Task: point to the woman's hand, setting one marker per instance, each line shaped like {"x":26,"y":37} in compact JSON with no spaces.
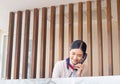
{"x":79,"y":68}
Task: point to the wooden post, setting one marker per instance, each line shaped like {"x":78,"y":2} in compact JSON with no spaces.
{"x":34,"y":43}
{"x":43,"y":43}
{"x":89,"y":36}
{"x":18,"y":45}
{"x":26,"y":44}
{"x":10,"y":45}
{"x":61,"y":33}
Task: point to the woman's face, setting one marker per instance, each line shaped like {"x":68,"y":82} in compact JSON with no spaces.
{"x":76,"y":56}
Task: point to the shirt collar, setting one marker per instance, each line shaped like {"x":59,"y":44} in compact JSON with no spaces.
{"x":68,"y":64}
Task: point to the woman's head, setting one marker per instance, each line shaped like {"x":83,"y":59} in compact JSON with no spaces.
{"x":79,"y":44}
{"x":77,"y":50}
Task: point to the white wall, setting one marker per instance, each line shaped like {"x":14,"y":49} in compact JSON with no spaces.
{"x":2,"y":33}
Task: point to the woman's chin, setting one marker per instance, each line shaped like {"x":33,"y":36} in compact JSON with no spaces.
{"x":74,"y":63}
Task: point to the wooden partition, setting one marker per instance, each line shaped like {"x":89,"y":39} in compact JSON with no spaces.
{"x":109,"y":29}
{"x":52,"y":40}
{"x":10,"y":45}
{"x":100,"y":54}
{"x":18,"y":45}
{"x":61,"y":33}
{"x":80,"y":20}
{"x":26,"y":44}
{"x":35,"y":43}
{"x":118,"y":13}
{"x":89,"y":36}
{"x":43,"y":42}
{"x":70,"y":24}
{"x":99,"y":26}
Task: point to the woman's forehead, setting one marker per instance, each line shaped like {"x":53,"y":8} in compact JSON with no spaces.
{"x":77,"y":51}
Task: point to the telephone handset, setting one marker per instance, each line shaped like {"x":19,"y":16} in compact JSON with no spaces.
{"x":83,"y":58}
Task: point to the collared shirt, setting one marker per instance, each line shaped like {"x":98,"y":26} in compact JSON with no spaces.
{"x":61,"y":71}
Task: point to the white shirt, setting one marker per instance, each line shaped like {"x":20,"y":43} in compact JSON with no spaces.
{"x":60,"y":70}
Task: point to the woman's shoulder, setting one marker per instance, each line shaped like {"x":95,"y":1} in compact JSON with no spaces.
{"x":60,"y":62}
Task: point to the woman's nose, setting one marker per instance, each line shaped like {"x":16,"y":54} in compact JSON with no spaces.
{"x":75,"y":57}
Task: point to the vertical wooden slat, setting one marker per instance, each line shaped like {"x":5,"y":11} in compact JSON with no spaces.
{"x":26,"y":44}
{"x":70,"y":25}
{"x":18,"y":45}
{"x":109,"y":31}
{"x":10,"y":45}
{"x":89,"y":36}
{"x":100,"y":46}
{"x":80,"y":20}
{"x":118,"y":15}
{"x":52,"y":39}
{"x":34,"y":43}
{"x":43,"y":43}
{"x":61,"y":33}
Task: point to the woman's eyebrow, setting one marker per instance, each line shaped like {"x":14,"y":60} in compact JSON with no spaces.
{"x":79,"y":54}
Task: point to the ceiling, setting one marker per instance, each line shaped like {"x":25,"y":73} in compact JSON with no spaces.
{"x":7,"y":6}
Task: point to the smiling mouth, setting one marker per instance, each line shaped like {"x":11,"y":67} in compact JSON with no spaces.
{"x":74,"y":62}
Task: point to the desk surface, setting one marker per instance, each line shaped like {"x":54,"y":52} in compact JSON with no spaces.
{"x":81,"y":80}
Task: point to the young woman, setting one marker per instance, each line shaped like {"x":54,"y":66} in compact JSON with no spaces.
{"x":74,"y":65}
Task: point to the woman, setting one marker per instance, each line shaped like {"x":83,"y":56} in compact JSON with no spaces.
{"x":73,"y":66}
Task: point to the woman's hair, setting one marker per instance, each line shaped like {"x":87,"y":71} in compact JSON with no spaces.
{"x":79,"y":44}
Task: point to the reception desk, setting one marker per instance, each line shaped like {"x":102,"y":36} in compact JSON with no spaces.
{"x":82,"y":80}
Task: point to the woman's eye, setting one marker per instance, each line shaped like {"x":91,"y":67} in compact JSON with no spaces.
{"x":79,"y":55}
{"x":73,"y":53}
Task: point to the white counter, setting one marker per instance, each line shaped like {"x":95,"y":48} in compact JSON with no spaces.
{"x":81,"y":80}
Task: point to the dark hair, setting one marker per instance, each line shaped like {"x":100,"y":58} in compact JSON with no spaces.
{"x":79,"y":44}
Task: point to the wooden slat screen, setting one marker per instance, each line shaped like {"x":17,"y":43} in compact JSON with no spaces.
{"x":18,"y":45}
{"x":70,"y":24}
{"x":89,"y":36}
{"x":61,"y":33}
{"x":89,"y":22}
{"x":109,"y":31}
{"x":34,"y":45}
{"x":80,"y":20}
{"x":43,"y":42}
{"x":26,"y":44}
{"x":10,"y":45}
{"x":118,"y":13}
{"x":100,"y":46}
{"x":52,"y":40}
